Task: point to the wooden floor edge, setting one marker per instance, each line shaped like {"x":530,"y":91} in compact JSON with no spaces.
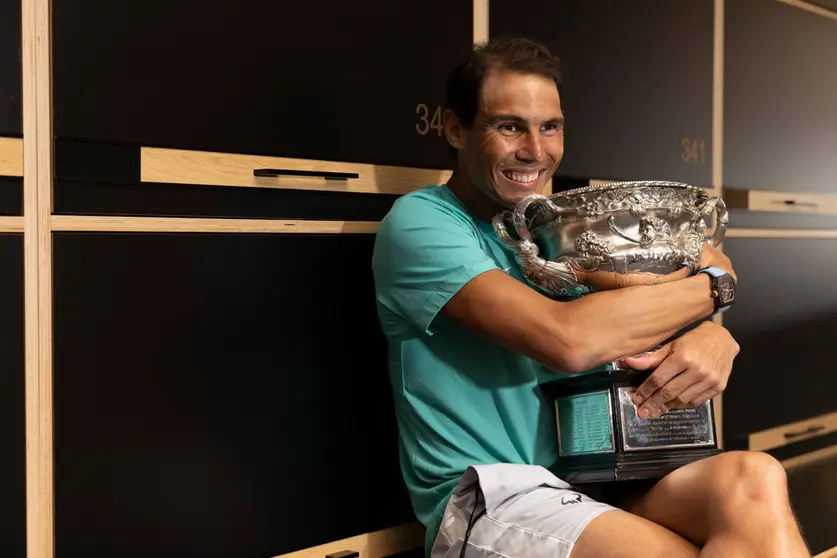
{"x":92,"y":223}
{"x":11,"y":224}
{"x":377,"y":544}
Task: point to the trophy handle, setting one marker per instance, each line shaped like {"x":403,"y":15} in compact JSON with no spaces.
{"x":557,"y":278}
{"x":519,"y":215}
{"x":720,"y":208}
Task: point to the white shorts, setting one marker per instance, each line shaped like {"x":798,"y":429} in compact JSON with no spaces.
{"x":513,"y":511}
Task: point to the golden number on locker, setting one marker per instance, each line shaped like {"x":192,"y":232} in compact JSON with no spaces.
{"x":427,"y":122}
{"x":694,"y":151}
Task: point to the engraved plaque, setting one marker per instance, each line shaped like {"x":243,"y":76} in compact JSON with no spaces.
{"x":585,"y":424}
{"x":681,"y":428}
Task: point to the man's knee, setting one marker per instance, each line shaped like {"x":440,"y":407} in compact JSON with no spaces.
{"x":749,"y":478}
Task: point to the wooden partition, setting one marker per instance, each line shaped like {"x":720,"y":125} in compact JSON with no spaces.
{"x":188,"y":204}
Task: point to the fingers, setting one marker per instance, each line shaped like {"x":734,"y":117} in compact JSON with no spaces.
{"x":701,"y":393}
{"x":664,"y":373}
{"x":666,"y":398}
{"x":685,"y":391}
{"x":647,"y":361}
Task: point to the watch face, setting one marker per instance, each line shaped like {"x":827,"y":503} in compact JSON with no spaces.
{"x":726,"y":290}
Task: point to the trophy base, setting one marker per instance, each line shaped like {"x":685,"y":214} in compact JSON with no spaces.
{"x":601,"y":439}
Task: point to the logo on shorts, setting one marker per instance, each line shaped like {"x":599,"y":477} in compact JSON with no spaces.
{"x":574,"y":499}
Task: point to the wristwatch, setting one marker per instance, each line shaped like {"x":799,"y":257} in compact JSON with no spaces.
{"x":723,"y":287}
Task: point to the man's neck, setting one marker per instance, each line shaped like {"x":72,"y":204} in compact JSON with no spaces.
{"x":480,"y":205}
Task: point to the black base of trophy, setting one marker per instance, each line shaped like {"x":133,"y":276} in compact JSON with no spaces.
{"x":601,"y":439}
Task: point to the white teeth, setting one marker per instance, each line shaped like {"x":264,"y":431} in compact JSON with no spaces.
{"x":524,"y":177}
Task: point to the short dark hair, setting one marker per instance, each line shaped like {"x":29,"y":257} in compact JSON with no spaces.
{"x":516,"y":54}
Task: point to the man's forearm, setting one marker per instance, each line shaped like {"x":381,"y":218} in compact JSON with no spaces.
{"x":605,"y":326}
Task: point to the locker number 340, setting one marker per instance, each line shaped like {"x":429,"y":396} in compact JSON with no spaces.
{"x":428,"y":120}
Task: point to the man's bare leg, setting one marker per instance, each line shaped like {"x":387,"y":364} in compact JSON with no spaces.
{"x":619,"y":534}
{"x":734,"y":504}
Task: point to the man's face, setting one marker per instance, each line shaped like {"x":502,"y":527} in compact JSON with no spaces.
{"x":517,"y":140}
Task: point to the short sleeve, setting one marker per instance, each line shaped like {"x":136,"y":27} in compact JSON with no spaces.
{"x":425,"y":251}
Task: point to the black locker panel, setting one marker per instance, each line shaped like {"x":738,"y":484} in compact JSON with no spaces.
{"x":11,"y":195}
{"x":784,"y":320}
{"x":12,"y":400}
{"x":177,"y":200}
{"x":780,"y":99}
{"x":11,"y":107}
{"x":638,"y":97}
{"x":219,"y":395}
{"x":343,"y":81}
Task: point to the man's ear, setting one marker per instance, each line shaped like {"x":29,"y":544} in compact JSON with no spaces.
{"x":454,"y":130}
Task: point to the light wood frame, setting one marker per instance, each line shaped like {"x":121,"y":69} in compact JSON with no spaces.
{"x":812,"y":8}
{"x":772,"y":438}
{"x":783,"y":202}
{"x":180,"y":166}
{"x":36,"y":49}
{"x":11,"y":157}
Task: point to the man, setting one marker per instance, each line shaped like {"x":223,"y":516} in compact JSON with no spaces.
{"x":470,"y":342}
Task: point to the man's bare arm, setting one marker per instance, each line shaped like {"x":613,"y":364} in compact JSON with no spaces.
{"x":579,"y":335}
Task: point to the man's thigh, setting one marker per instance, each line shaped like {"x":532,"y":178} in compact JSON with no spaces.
{"x":620,"y":534}
{"x":517,"y":511}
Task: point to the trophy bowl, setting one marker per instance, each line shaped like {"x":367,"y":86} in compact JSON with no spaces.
{"x":623,"y":227}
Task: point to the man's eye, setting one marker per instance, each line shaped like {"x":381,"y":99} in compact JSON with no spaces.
{"x":509,"y":128}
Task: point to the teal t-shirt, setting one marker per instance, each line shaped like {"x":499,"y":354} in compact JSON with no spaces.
{"x":460,"y":400}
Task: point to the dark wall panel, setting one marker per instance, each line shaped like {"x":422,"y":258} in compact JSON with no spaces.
{"x":12,"y":401}
{"x":11,"y":115}
{"x":322,"y":80}
{"x":219,"y":395}
{"x":784,"y":320}
{"x":638,"y":98}
{"x":173,"y":200}
{"x":11,"y":195}
{"x":780,"y":103}
{"x":812,"y":490}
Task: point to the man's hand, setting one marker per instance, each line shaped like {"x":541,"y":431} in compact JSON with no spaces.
{"x":713,"y":257}
{"x":689,"y":370}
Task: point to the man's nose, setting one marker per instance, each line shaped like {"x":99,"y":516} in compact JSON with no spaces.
{"x":531,"y":149}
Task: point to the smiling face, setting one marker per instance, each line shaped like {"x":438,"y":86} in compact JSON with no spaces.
{"x":517,"y":138}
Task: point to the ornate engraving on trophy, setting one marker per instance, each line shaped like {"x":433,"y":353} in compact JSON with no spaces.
{"x":681,"y":428}
{"x":585,"y":424}
{"x":647,"y":226}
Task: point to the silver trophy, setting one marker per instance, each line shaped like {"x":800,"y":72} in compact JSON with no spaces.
{"x":623,"y":227}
